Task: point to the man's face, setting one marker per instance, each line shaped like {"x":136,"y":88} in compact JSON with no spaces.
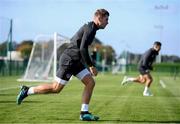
{"x":103,"y":21}
{"x":157,"y":48}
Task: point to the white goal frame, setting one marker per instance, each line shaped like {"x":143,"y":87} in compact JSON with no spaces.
{"x":52,"y":60}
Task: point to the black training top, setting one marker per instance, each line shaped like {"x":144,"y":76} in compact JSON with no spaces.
{"x":147,"y":59}
{"x":78,"y":48}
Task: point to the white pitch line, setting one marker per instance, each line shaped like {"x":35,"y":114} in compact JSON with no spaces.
{"x":162,"y":84}
{"x":8,"y":88}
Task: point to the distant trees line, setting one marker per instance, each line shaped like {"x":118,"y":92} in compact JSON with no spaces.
{"x":24,"y":47}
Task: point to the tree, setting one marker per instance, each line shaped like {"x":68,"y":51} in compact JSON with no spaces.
{"x":25,"y":48}
{"x":7,"y":46}
{"x":105,"y":51}
{"x":3,"y":49}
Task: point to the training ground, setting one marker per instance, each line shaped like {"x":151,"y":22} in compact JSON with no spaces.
{"x":111,"y":101}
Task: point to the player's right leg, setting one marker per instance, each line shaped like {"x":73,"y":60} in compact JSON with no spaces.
{"x":25,"y":91}
{"x":22,"y":94}
{"x":127,"y":80}
{"x":139,"y":79}
{"x":124,"y":81}
{"x":63,"y":76}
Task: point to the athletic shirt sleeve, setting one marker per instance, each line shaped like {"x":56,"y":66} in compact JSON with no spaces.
{"x":149,"y":58}
{"x":146,"y":59}
{"x":87,"y":38}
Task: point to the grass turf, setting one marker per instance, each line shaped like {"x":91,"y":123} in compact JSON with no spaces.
{"x":111,"y":101}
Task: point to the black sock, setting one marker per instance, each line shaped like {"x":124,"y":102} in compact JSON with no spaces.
{"x":84,"y":112}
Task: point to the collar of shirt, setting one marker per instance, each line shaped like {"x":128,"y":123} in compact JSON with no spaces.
{"x":94,"y":26}
{"x":155,"y":52}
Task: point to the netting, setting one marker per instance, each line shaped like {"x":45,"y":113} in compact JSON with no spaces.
{"x":43,"y":61}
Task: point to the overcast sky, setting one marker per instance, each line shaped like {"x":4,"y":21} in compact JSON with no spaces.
{"x":133,"y":24}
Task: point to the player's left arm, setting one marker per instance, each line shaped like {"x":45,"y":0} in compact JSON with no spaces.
{"x":84,"y":48}
{"x":146,"y":59}
{"x":85,"y":53}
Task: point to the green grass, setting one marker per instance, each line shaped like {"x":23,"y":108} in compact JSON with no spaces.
{"x":111,"y":101}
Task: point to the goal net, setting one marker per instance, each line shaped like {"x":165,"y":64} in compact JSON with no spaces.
{"x":43,"y":61}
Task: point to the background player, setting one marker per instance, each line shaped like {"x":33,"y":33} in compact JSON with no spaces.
{"x":145,"y":65}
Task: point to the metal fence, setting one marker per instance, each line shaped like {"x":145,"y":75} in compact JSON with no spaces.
{"x":8,"y":68}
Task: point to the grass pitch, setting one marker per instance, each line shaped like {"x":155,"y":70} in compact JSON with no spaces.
{"x":111,"y":101}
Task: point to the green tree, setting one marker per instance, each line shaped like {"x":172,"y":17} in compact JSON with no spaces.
{"x":3,"y":49}
{"x":25,"y":48}
{"x":105,"y":51}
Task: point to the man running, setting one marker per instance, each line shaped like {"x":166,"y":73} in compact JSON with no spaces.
{"x":75,"y":60}
{"x":145,"y":65}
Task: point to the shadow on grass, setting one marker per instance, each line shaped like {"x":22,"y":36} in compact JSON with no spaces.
{"x":8,"y":94}
{"x":13,"y":101}
{"x":68,"y":120}
{"x":138,"y":121}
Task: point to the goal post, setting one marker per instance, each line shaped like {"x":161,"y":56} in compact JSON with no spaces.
{"x":42,"y":64}
{"x":6,"y":47}
{"x":55,"y":55}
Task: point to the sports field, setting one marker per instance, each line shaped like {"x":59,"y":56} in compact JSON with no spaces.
{"x":111,"y":101}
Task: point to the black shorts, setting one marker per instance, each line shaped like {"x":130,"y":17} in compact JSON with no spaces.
{"x":69,"y":67}
{"x":143,"y":71}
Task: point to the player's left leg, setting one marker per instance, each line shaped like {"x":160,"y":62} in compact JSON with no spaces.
{"x":148,"y":83}
{"x":89,"y":83}
{"x":83,"y":74}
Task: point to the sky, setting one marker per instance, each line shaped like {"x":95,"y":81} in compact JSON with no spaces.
{"x":133,"y":24}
